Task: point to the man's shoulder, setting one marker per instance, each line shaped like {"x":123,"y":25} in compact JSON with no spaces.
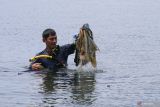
{"x":44,"y":52}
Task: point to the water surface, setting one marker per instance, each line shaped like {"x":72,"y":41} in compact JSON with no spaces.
{"x":126,"y":31}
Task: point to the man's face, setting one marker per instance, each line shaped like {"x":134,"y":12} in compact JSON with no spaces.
{"x":51,"y":41}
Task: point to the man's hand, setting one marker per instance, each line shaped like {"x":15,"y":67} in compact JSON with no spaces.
{"x":37,"y":66}
{"x":75,"y":37}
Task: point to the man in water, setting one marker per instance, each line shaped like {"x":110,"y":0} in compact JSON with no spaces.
{"x":59,"y":53}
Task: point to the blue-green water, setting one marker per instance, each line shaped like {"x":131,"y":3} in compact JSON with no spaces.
{"x":126,"y":31}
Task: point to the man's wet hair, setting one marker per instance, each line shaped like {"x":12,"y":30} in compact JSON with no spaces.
{"x":48,"y":32}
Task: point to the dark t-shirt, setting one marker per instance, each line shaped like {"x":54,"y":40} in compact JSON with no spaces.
{"x":60,"y":57}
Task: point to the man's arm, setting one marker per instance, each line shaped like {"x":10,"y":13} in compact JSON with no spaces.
{"x":70,"y":48}
{"x":36,"y":65}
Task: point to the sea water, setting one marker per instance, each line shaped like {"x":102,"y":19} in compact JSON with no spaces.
{"x":128,"y":64}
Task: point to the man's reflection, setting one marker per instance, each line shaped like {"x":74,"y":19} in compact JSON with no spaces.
{"x":48,"y":82}
{"x":53,"y":81}
{"x":69,"y":88}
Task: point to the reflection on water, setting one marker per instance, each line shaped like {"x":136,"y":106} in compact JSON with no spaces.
{"x":56,"y":86}
{"x":53,"y":81}
{"x":83,"y":87}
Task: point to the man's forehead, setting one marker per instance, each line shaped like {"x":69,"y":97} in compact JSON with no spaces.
{"x":52,"y":36}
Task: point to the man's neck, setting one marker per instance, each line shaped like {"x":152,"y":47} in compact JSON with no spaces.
{"x":49,"y":50}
